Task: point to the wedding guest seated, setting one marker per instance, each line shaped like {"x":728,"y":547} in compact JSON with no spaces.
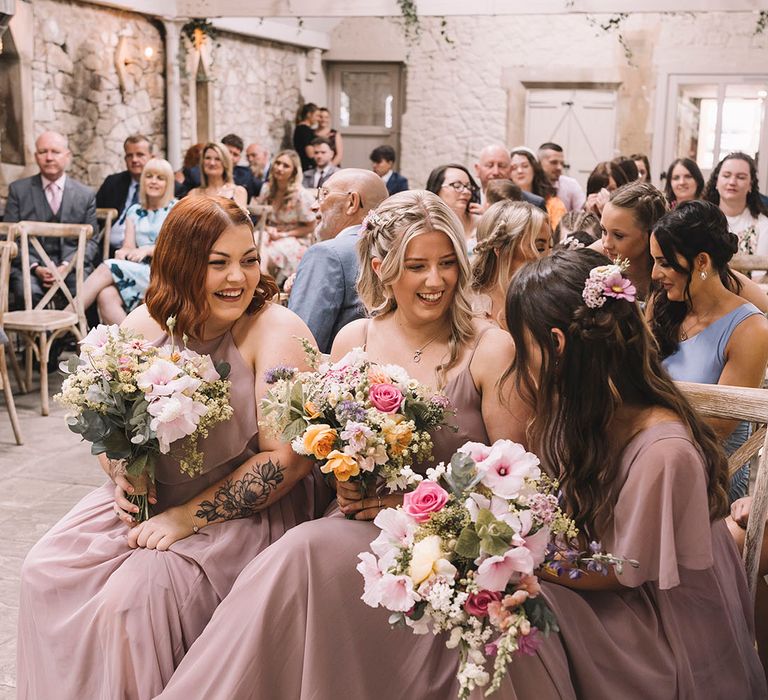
{"x":528,"y":175}
{"x":573,"y":221}
{"x":259,"y":162}
{"x":706,"y":332}
{"x":121,"y":190}
{"x":455,"y":186}
{"x":118,"y":285}
{"x":501,"y":190}
{"x":734,"y":188}
{"x":323,"y":168}
{"x":643,"y":166}
{"x":325,"y":130}
{"x":494,"y":163}
{"x":241,"y":174}
{"x":644,"y":477}
{"x":509,"y":235}
{"x":324,"y":294}
{"x":568,"y":189}
{"x":684,"y":182}
{"x":51,"y":196}
{"x":216,"y":178}
{"x":414,"y":247}
{"x":191,"y":162}
{"x":112,"y":606}
{"x":291,"y":222}
{"x":382,"y":163}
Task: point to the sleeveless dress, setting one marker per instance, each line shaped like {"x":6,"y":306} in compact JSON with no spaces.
{"x":101,"y":621}
{"x":682,"y":626}
{"x":702,"y":359}
{"x":294,"y":627}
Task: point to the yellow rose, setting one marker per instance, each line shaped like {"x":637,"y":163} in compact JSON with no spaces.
{"x":311,"y":410}
{"x":319,"y":439}
{"x":343,"y":466}
{"x":398,"y":436}
{"x":428,"y":560}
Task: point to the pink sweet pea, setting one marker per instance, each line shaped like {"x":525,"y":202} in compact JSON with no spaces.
{"x":160,"y":372}
{"x":619,"y":287}
{"x":175,"y":417}
{"x":397,"y":593}
{"x":97,"y":338}
{"x":506,"y":468}
{"x":387,"y":398}
{"x":427,"y":498}
{"x":495,"y":572}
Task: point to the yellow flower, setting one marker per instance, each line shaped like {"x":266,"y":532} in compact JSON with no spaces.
{"x":343,"y":466}
{"x":398,"y":435}
{"x":319,"y":439}
{"x":429,"y":560}
{"x":311,"y":410}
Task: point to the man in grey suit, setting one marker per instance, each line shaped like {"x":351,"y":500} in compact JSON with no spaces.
{"x":324,"y":293}
{"x":324,"y":168}
{"x":51,"y":196}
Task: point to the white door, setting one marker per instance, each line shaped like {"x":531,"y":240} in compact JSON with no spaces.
{"x":582,"y":121}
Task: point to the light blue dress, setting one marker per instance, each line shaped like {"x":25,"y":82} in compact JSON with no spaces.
{"x":701,"y":359}
{"x":132,"y":278}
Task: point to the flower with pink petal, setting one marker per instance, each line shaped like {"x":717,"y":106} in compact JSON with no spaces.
{"x":397,"y":592}
{"x":476,"y":450}
{"x":507,"y":467}
{"x":175,"y":417}
{"x":427,"y":498}
{"x":159,"y":374}
{"x":397,"y":528}
{"x":494,"y":573}
{"x":96,"y":340}
{"x":619,"y":287}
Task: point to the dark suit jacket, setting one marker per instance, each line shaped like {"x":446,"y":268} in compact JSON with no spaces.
{"x":241,"y":175}
{"x":397,"y":183}
{"x":535,"y":200}
{"x":308,"y":180}
{"x":114,"y":191}
{"x":27,"y":202}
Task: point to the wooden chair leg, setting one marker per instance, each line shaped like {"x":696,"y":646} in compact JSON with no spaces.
{"x":17,"y":370}
{"x":44,"y":348}
{"x":9,"y":398}
{"x":28,"y":352}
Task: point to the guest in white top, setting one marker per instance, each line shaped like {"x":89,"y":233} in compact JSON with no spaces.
{"x":568,"y":189}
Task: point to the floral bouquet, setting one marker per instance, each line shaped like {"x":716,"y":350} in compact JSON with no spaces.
{"x":462,"y":559}
{"x":361,"y":421}
{"x":133,"y":401}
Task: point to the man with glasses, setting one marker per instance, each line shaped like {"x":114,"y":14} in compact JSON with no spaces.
{"x":324,"y":293}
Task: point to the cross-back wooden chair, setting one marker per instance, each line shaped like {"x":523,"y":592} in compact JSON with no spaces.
{"x":740,"y":403}
{"x":261,"y":212}
{"x":36,"y":322}
{"x":108,"y":217}
{"x":8,"y":233}
{"x":748,"y":263}
{"x":7,"y":252}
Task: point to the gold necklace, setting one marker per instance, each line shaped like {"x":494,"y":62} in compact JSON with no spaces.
{"x":417,"y":354}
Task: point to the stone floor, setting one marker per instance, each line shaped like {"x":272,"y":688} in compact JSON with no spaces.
{"x":39,"y":482}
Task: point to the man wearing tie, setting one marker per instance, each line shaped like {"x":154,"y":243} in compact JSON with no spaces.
{"x":51,"y":196}
{"x":324,"y":168}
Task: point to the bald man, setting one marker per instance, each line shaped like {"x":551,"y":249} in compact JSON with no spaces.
{"x":52,"y":196}
{"x":495,"y":163}
{"x":324,"y":293}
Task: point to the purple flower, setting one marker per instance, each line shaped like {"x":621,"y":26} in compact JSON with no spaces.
{"x":529,"y":643}
{"x":271,"y":376}
{"x":350,"y":411}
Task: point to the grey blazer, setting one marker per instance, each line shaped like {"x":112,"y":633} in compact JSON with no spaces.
{"x":324,"y":293}
{"x":27,"y":202}
{"x":308,"y":180}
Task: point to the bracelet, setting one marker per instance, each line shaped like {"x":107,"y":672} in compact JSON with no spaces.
{"x":195,"y":528}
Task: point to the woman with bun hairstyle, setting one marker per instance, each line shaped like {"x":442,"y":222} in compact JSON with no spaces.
{"x":706,"y":332}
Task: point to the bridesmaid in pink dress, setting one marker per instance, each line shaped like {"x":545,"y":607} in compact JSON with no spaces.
{"x":642,"y":474}
{"x":108,"y":608}
{"x":294,"y":626}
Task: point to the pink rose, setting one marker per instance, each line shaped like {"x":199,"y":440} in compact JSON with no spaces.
{"x":385,"y":397}
{"x":477,"y":603}
{"x":426,"y":499}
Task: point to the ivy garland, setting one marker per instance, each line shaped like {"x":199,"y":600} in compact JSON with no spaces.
{"x":198,"y":30}
{"x":613,"y":25}
{"x":762,"y":22}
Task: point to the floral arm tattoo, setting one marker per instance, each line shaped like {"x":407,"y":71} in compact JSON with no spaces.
{"x":244,"y":497}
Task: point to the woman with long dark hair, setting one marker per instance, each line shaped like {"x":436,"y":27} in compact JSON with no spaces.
{"x":641,"y":474}
{"x":108,"y":607}
{"x":304,"y":133}
{"x":684,"y":181}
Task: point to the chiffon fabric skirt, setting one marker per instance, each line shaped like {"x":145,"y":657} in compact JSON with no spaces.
{"x":101,"y":621}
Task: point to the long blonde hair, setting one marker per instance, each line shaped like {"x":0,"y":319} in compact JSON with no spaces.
{"x":506,"y":228}
{"x":293,"y":185}
{"x":386,"y":235}
{"x":226,"y":161}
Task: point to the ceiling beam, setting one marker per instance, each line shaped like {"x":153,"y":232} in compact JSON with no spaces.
{"x":445,"y":8}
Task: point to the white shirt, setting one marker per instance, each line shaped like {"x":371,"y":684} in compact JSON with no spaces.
{"x":752,"y":232}
{"x":570,"y":193}
{"x":386,"y":177}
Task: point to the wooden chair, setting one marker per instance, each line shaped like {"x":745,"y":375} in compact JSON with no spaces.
{"x":739,"y":403}
{"x":261,"y":212}
{"x":8,"y":232}
{"x":35,"y":323}
{"x":108,"y":216}
{"x":748,"y":263}
{"x":7,"y":252}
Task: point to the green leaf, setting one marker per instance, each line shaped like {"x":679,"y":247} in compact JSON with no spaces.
{"x":468,"y":543}
{"x":72,"y":364}
{"x":463,"y":476}
{"x":137,"y":465}
{"x":540,"y":615}
{"x":118,"y":446}
{"x":297,"y":395}
{"x":495,"y":535}
{"x":294,"y":429}
{"x":223,"y":368}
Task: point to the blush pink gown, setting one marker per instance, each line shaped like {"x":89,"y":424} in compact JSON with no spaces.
{"x":101,"y":621}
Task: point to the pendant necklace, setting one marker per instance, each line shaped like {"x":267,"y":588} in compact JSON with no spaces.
{"x":417,"y":355}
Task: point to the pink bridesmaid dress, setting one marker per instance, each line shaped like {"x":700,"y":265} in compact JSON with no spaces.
{"x":101,"y":621}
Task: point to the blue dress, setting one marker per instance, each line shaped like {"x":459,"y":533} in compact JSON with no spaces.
{"x":701,"y":359}
{"x":132,"y":278}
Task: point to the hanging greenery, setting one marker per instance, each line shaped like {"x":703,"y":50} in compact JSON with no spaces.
{"x":762,"y":22}
{"x":411,"y":22}
{"x":613,"y":26}
{"x":198,"y":30}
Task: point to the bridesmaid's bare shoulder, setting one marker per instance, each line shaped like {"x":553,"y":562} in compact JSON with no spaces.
{"x":139,"y":321}
{"x":351,"y":336}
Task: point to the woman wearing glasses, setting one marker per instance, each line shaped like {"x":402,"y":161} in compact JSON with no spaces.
{"x":455,"y":186}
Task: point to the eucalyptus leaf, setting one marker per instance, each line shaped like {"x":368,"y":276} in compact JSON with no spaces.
{"x":495,"y":535}
{"x":223,"y":368}
{"x":468,"y":543}
{"x":72,"y":364}
{"x":294,"y":429}
{"x":464,"y":475}
{"x":138,"y":464}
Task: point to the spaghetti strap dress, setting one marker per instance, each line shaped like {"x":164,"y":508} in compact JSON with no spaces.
{"x":102,"y":621}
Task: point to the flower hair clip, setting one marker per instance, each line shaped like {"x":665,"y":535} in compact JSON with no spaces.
{"x":608,"y":281}
{"x":572,"y":243}
{"x":372,"y":220}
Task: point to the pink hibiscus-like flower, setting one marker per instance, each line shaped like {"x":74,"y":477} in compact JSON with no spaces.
{"x":477,"y":603}
{"x":397,"y":592}
{"x":175,"y":417}
{"x":499,"y":508}
{"x":397,"y":528}
{"x":476,"y":450}
{"x":203,"y":365}
{"x":427,"y":498}
{"x":507,"y":467}
{"x":619,"y":287}
{"x":387,"y":398}
{"x":497,"y":571}
{"x":369,"y":568}
{"x":160,"y":372}
{"x":94,"y":343}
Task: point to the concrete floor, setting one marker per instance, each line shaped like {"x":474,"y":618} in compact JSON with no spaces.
{"x":39,"y":482}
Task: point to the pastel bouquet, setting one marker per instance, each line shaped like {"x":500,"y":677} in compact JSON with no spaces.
{"x":133,"y":401}
{"x":461,"y":558}
{"x":361,"y":421}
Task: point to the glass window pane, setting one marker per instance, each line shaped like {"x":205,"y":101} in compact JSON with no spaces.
{"x":743,"y":114}
{"x":696,"y":119}
{"x":366,"y":98}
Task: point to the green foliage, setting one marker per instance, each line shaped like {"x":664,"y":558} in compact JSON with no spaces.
{"x":762,"y":22}
{"x":463,"y":476}
{"x":540,"y":615}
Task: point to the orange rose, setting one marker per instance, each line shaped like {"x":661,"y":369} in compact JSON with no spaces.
{"x":319,"y":439}
{"x":398,"y":436}
{"x":377,"y":376}
{"x":343,"y":466}
{"x":311,"y":410}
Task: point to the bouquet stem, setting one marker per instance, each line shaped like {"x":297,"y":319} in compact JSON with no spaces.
{"x":140,"y":495}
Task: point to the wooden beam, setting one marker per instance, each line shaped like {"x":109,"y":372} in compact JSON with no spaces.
{"x":446,"y":8}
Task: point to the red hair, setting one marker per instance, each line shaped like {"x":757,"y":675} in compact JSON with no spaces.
{"x":180,"y":263}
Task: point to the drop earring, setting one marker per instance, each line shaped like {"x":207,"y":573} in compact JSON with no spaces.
{"x":703,"y":275}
